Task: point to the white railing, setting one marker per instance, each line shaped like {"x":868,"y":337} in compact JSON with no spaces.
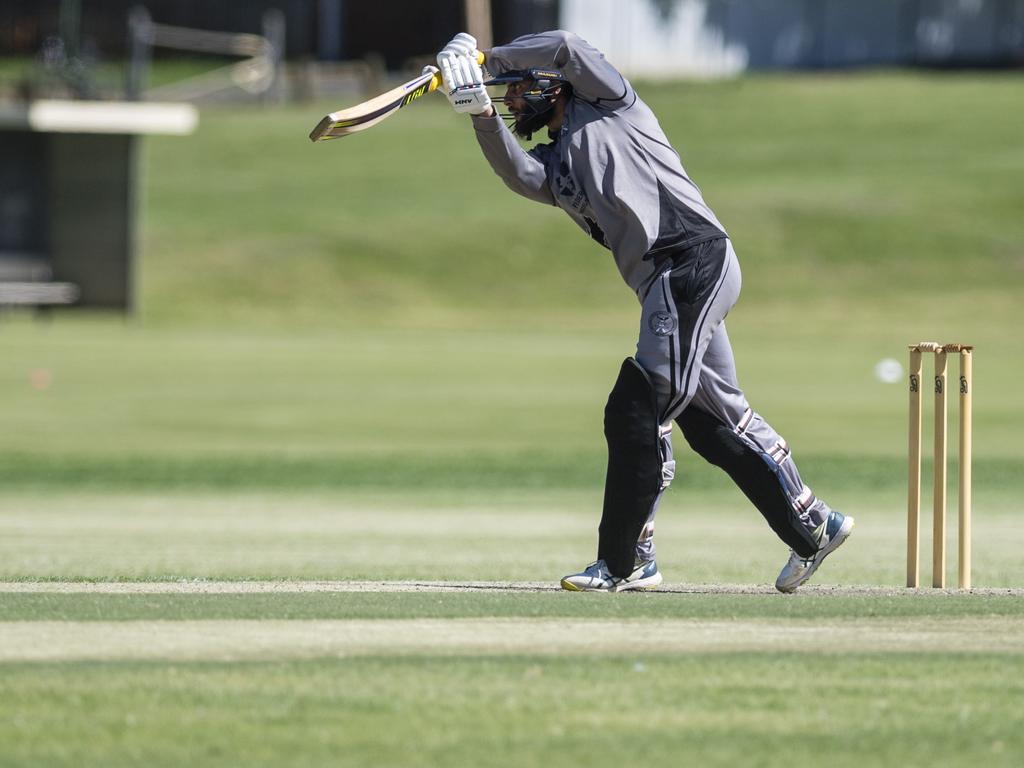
{"x":257,"y":74}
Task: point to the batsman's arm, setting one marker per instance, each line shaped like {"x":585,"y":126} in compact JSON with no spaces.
{"x":521,"y":171}
{"x":592,"y":77}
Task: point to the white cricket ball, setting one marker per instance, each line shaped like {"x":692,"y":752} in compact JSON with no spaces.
{"x":888,"y":371}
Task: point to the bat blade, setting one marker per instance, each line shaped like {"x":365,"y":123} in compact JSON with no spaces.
{"x":369,"y":113}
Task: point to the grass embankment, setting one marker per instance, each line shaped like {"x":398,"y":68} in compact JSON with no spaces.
{"x":325,"y":382}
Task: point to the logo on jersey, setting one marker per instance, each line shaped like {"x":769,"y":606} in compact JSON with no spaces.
{"x":662,"y":324}
{"x":576,"y":198}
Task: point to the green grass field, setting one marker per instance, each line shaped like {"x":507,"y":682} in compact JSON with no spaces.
{"x":214,"y":515}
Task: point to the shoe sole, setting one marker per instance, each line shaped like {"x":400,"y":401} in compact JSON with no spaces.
{"x":844,"y":533}
{"x":651,"y":582}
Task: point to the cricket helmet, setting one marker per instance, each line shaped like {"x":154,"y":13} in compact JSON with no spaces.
{"x":539,"y":97}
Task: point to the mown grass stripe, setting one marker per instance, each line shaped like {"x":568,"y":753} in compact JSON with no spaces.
{"x":275,"y":639}
{"x":814,"y":603}
{"x":480,"y":470}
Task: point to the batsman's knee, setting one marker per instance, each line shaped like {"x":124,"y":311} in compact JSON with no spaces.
{"x":635,"y":437}
{"x":710,"y":438}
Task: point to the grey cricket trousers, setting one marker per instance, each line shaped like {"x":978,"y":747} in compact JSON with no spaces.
{"x":684,"y":347}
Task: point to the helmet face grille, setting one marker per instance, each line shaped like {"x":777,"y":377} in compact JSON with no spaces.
{"x":539,"y":97}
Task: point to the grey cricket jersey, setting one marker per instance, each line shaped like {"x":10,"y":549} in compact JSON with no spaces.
{"x":610,"y":168}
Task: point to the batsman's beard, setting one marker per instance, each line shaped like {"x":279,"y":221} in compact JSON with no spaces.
{"x":526,"y":125}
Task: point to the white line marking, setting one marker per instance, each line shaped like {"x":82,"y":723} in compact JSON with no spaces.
{"x":196,"y":587}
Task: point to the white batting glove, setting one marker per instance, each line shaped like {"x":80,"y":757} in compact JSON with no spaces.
{"x":463,"y":77}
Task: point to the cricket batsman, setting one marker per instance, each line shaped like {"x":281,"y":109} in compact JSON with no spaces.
{"x":607,"y":164}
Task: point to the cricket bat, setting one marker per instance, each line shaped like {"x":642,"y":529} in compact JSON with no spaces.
{"x":369,"y":113}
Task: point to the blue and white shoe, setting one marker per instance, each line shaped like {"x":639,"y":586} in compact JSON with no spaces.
{"x":832,"y":533}
{"x":597,"y":578}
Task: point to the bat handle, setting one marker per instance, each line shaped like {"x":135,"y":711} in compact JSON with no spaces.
{"x":438,"y":81}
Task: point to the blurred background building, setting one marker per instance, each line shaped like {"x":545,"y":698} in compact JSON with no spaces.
{"x":720,"y":37}
{"x":664,"y":37}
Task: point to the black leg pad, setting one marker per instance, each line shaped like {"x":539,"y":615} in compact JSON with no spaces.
{"x":634,"y":477}
{"x":755,"y":474}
